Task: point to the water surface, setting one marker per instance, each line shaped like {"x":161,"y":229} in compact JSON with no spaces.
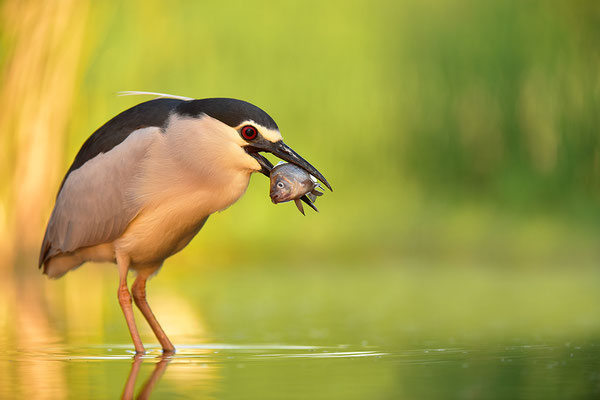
{"x":309,"y":333}
{"x":275,"y":371}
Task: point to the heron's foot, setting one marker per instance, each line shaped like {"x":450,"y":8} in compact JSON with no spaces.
{"x":168,"y":351}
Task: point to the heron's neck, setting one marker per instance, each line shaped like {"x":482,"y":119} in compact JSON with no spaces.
{"x":207,"y":184}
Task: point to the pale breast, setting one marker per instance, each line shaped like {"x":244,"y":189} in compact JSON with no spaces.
{"x":174,"y":211}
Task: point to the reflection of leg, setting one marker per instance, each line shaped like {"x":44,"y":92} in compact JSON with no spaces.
{"x":130,"y":384}
{"x":139,"y":295}
{"x":158,"y":372}
{"x":125,"y":302}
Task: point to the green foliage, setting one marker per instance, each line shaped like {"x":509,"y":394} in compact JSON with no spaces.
{"x":406,"y":107}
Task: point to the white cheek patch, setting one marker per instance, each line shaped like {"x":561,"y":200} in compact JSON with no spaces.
{"x":270,"y":134}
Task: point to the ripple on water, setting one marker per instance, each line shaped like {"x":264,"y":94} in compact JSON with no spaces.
{"x":212,"y":351}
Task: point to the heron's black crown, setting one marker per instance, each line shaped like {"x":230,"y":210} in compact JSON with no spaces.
{"x":229,"y":111}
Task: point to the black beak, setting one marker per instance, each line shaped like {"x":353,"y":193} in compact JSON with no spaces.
{"x":284,"y":152}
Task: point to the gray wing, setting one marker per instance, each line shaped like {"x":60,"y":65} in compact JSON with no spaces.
{"x":94,"y":205}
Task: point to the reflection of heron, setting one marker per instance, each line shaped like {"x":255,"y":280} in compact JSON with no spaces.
{"x":159,"y":370}
{"x":144,"y":184}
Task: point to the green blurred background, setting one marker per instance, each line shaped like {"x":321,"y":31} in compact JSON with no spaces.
{"x":461,"y":139}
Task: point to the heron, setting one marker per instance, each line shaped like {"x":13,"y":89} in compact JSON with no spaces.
{"x":144,"y":184}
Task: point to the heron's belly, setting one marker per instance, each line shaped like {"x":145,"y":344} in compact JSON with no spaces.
{"x":167,"y":224}
{"x":149,"y":242}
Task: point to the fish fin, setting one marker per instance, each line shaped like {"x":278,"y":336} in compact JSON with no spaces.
{"x":299,"y":205}
{"x":309,"y":202}
{"x":316,"y":193}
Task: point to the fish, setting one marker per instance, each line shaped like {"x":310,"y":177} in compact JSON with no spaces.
{"x":290,"y":182}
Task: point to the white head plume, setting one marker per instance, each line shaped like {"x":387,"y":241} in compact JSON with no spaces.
{"x":158,"y":95}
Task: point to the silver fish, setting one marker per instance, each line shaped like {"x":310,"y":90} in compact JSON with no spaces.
{"x":290,"y":182}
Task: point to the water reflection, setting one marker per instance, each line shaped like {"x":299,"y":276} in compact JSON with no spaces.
{"x":157,"y":373}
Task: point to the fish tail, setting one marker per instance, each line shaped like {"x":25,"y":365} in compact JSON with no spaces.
{"x":313,"y":195}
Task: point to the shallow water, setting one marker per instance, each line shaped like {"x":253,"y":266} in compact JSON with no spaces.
{"x":320,"y":333}
{"x":275,"y":371}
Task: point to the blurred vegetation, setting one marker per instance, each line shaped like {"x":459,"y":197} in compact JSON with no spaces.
{"x":448,"y":128}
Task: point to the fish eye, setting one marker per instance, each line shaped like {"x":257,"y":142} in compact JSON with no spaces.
{"x":280,"y":185}
{"x":249,"y":132}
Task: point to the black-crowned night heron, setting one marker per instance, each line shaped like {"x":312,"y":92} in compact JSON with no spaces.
{"x":144,"y":184}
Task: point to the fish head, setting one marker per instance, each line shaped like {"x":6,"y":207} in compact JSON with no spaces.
{"x":282,"y":189}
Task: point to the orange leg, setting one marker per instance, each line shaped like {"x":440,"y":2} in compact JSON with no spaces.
{"x":139,"y":295}
{"x":125,"y":302}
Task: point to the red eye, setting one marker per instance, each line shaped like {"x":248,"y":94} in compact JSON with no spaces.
{"x":249,"y":132}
